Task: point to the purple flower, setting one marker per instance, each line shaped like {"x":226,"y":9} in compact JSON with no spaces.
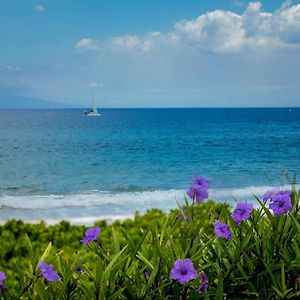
{"x":268,"y":195}
{"x":48,"y":272}
{"x":204,"y":284}
{"x":242,"y":212}
{"x":222,"y":230}
{"x":2,"y":277}
{"x":197,"y":193}
{"x":79,"y":269}
{"x":91,"y":235}
{"x":281,"y":203}
{"x":199,"y":189}
{"x":147,"y":274}
{"x":183,"y":271}
{"x":201,"y":181}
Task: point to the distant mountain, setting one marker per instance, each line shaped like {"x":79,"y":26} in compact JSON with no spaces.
{"x":8,"y":101}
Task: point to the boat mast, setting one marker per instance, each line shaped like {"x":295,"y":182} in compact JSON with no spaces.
{"x":94,"y":105}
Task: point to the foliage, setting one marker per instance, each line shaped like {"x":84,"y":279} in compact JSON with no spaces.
{"x":133,"y":259}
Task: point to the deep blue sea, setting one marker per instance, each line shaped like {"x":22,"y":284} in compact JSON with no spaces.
{"x":58,"y":164}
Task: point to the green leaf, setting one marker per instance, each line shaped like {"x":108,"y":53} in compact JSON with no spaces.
{"x":266,"y":210}
{"x":32,"y":258}
{"x":116,"y":239}
{"x":220,"y":289}
{"x":113,"y":261}
{"x":145,"y":260}
{"x":283,"y":277}
{"x":44,"y":255}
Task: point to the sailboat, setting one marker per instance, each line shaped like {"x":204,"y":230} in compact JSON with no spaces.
{"x":94,"y":112}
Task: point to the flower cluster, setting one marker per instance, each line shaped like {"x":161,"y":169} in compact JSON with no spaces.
{"x":241,"y":213}
{"x":198,"y":191}
{"x":47,"y":271}
{"x":280,"y":202}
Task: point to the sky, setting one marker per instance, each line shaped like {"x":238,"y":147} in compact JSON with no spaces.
{"x":150,"y":53}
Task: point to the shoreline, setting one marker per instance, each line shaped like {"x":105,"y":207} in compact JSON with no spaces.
{"x":88,"y":208}
{"x":83,"y":221}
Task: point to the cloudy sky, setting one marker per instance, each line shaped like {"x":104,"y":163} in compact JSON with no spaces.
{"x":158,"y":53}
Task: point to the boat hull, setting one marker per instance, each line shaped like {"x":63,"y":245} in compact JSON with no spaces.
{"x":93,"y":115}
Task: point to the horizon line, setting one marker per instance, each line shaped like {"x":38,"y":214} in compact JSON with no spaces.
{"x":178,"y":107}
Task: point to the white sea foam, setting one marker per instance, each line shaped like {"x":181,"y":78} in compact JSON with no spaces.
{"x":85,"y":220}
{"x":95,"y":198}
{"x":87,"y":207}
{"x":239,"y":193}
{"x":99,"y":198}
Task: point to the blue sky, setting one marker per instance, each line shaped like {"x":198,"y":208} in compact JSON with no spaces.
{"x":151,"y":53}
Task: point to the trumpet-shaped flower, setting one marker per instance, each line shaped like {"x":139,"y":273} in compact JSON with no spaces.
{"x":91,"y":235}
{"x":201,"y":181}
{"x":222,"y":230}
{"x":268,"y":195}
{"x":198,"y":191}
{"x":48,"y":272}
{"x":281,"y":203}
{"x":183,"y":271}
{"x":242,"y":212}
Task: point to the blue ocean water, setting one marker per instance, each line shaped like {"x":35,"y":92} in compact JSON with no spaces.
{"x":58,"y":164}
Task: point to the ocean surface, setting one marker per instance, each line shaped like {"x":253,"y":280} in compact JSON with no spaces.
{"x":58,"y":164}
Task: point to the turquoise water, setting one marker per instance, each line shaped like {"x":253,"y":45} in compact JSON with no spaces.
{"x":58,"y":164}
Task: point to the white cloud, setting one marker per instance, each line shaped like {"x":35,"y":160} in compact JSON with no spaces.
{"x":40,"y":8}
{"x":288,"y":22}
{"x":149,"y":42}
{"x":254,"y":6}
{"x":217,"y":31}
{"x":281,"y":28}
{"x":87,"y":44}
{"x":129,"y":42}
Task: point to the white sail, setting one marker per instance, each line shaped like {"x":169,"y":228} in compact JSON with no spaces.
{"x":94,"y":107}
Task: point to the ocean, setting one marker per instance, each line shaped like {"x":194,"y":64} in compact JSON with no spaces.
{"x":58,"y":164}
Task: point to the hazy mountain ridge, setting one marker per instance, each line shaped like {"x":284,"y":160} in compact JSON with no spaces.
{"x":9,"y":101}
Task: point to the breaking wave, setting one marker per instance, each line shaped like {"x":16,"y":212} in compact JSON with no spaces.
{"x":87,"y":207}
